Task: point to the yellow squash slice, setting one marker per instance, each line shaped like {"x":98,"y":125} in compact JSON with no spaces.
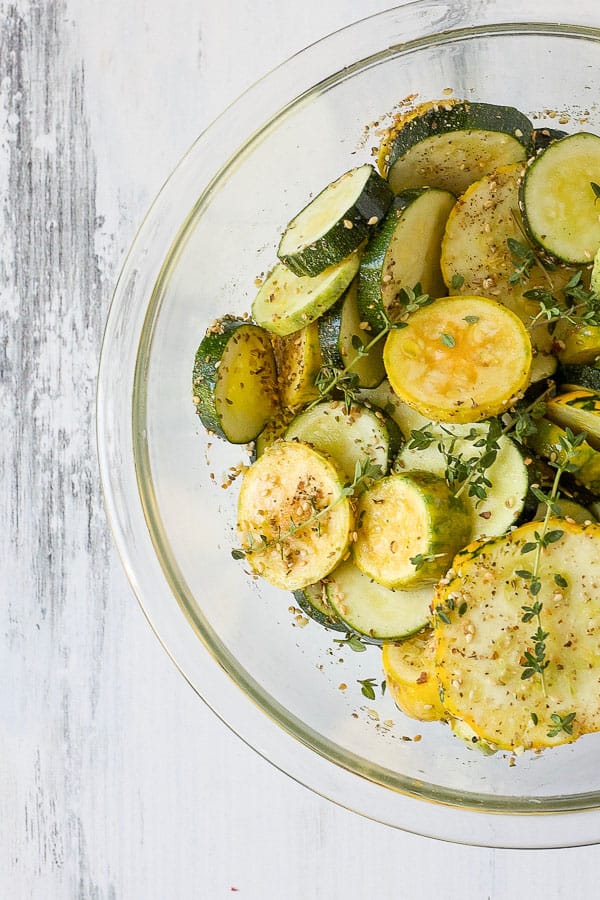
{"x":460,"y":359}
{"x":294,"y":519}
{"x":482,"y":638}
{"x":409,"y":668}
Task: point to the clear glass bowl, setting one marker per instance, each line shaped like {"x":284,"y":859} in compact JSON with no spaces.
{"x":212,"y":229}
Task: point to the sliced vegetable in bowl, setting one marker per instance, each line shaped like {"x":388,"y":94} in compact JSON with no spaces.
{"x":419,"y":482}
{"x":449,"y":144}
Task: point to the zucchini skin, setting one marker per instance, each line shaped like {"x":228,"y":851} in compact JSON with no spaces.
{"x":286,"y":302}
{"x":421,"y":149}
{"x":462,"y":116}
{"x":381,"y":276}
{"x":541,"y":138}
{"x":345,"y":235}
{"x":316,"y":609}
{"x":546,"y":442}
{"x":572,"y":377}
{"x":205,"y":374}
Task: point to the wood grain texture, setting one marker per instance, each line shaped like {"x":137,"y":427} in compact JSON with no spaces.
{"x":115,"y":780}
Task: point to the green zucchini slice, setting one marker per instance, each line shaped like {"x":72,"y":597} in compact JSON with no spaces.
{"x":378,"y":612}
{"x":450,"y":145}
{"x":508,"y":475}
{"x":339,"y":330}
{"x":558,"y":201}
{"x":313,"y":601}
{"x":480,"y":653}
{"x":546,"y":442}
{"x":579,"y":411}
{"x":543,"y":366}
{"x":335,"y":222}
{"x":234,"y":382}
{"x":578,"y":344}
{"x":476,"y":250}
{"x":565,"y":508}
{"x":287,"y":302}
{"x":404,"y":251}
{"x":299,"y":359}
{"x":406,"y":418}
{"x":348,"y":435}
{"x":294,"y":518}
{"x":470,"y":737}
{"x":409,"y":526}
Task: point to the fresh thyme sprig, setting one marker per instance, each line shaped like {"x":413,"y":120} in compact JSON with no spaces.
{"x":352,"y":641}
{"x":364,"y":472}
{"x":469,"y":472}
{"x":343,"y":379}
{"x":524,"y":259}
{"x":368,"y":685}
{"x":561,"y":723}
{"x":584,"y":308}
{"x":534,"y":661}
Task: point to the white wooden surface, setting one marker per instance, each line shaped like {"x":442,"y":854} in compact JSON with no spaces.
{"x":115,"y":780}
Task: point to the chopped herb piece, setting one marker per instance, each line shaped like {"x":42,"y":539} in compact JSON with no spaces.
{"x":367,"y":688}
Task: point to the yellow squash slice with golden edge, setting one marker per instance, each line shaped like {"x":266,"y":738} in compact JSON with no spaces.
{"x":294,"y":518}
{"x":484,"y":628}
{"x":409,"y":668}
{"x":460,"y":359}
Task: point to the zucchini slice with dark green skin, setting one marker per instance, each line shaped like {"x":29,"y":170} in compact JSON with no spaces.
{"x":571,"y":378}
{"x":377,"y":612}
{"x":450,"y":145}
{"x":543,"y":137}
{"x":339,"y":330}
{"x":234,"y":382}
{"x":348,"y":436}
{"x":409,"y":527}
{"x":404,"y":251}
{"x":335,"y":222}
{"x":312,"y":600}
{"x":287,"y":302}
{"x":558,"y":199}
{"x":508,"y":475}
{"x":566,"y":509}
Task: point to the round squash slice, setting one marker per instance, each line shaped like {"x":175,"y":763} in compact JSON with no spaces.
{"x":486,"y":632}
{"x":294,"y":518}
{"x":409,"y":668}
{"x":461,"y":359}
